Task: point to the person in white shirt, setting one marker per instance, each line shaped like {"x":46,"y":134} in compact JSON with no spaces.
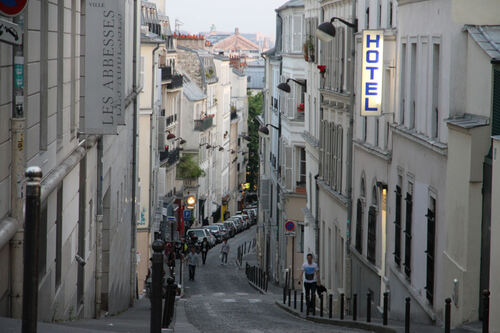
{"x":310,"y":279}
{"x":224,"y":252}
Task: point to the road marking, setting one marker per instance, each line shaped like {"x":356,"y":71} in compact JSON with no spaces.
{"x":254,"y":300}
{"x":242,"y":294}
{"x":229,"y":300}
{"x":219,"y":294}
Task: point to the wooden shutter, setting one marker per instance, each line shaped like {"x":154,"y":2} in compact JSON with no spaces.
{"x":359,"y":227}
{"x":408,"y":232}
{"x":372,"y":235}
{"x":397,"y":228}
{"x":289,"y":168}
{"x":495,"y":121}
{"x":161,"y":133}
{"x":340,"y":150}
{"x":430,"y":253}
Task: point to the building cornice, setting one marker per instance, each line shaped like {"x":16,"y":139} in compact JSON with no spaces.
{"x":340,"y":198}
{"x":312,"y":141}
{"x":437,"y":147}
{"x":375,"y":151}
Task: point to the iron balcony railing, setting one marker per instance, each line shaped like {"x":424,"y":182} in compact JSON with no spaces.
{"x":234,"y":115}
{"x":203,"y":124}
{"x":168,"y":74}
{"x":169,"y":158}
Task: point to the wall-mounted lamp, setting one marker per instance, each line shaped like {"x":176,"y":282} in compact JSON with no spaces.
{"x":284,"y":86}
{"x":170,"y":136}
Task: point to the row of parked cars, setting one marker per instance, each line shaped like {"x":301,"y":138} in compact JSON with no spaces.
{"x":218,"y":232}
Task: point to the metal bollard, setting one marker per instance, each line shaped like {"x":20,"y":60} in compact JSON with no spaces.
{"x":295,"y":299}
{"x":289,"y":297}
{"x":31,"y":245}
{"x":407,"y":315}
{"x":168,"y":309}
{"x":341,"y":306}
{"x":301,"y":302}
{"x":447,"y":315}
{"x":486,"y":311}
{"x":321,"y":305}
{"x":386,"y":307}
{"x":156,"y":286}
{"x":330,"y":306}
{"x":368,"y":307}
{"x":313,"y":303}
{"x":355,"y":307}
{"x":284,"y":295}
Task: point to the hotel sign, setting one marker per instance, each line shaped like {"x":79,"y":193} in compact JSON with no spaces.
{"x":104,"y":71}
{"x":371,"y":72}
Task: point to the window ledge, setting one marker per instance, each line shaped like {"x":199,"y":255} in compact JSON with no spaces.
{"x":412,"y":135}
{"x":310,"y":139}
{"x":380,"y":153}
{"x":339,"y":96}
{"x":342,"y":199}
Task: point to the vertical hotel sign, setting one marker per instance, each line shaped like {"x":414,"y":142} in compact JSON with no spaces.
{"x":371,"y":72}
{"x":104,"y":48}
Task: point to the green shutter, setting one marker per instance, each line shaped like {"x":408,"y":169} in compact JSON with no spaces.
{"x":495,"y":119}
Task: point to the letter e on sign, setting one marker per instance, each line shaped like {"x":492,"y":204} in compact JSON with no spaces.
{"x":371,"y":72}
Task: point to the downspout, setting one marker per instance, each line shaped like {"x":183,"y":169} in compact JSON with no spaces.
{"x":133,"y":222}
{"x":98,"y":261}
{"x":316,"y":219}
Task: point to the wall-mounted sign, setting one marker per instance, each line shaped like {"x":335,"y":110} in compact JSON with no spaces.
{"x":104,"y":66}
{"x":12,"y":7}
{"x":10,"y":33}
{"x":289,"y":225}
{"x":371,"y":72}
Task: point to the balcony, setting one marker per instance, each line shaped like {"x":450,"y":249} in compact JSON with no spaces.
{"x":169,"y":158}
{"x":234,"y":115}
{"x":203,"y":124}
{"x":170,"y":119}
{"x":167,"y":74}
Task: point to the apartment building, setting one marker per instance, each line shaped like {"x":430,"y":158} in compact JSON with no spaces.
{"x":88,"y":203}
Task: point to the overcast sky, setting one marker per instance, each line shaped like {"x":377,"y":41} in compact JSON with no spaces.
{"x":249,"y":15}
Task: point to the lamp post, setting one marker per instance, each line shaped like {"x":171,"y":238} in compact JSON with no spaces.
{"x":326,"y":33}
{"x":284,"y":86}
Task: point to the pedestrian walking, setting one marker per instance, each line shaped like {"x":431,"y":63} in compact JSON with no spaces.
{"x":170,"y":256}
{"x":310,"y":278}
{"x":204,"y":249}
{"x":224,"y":252}
{"x":192,"y":261}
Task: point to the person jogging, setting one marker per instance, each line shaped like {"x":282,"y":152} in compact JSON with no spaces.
{"x":192,"y":261}
{"x":224,"y":252}
{"x":310,"y":277}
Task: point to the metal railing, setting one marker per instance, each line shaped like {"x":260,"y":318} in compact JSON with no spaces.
{"x":257,"y":277}
{"x":168,"y":74}
{"x":234,"y":115}
{"x":203,"y":124}
{"x":169,"y":157}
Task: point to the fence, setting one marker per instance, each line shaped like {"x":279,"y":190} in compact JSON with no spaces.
{"x":311,"y":307}
{"x":257,"y":277}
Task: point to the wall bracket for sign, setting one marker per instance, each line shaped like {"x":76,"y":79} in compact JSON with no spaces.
{"x":10,"y":33}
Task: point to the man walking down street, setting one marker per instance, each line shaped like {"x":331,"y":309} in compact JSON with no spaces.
{"x":310,"y":277}
{"x":192,"y":261}
{"x":225,"y":252}
{"x":204,"y":250}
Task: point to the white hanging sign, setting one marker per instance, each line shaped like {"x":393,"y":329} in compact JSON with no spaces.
{"x":371,"y":72}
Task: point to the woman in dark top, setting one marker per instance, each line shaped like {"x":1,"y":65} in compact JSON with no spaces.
{"x":204,"y":250}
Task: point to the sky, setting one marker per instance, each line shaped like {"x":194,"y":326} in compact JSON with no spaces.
{"x":249,"y":16}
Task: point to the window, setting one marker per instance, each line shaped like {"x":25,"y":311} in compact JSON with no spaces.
{"x":397,"y":228}
{"x":359,"y":226}
{"x":430,"y":252}
{"x":408,"y":230}
{"x":301,"y":239}
{"x":391,"y":10}
{"x":59,"y":223}
{"x":413,"y":86}
{"x":365,"y":128}
{"x":371,"y":248}
{"x":297,"y":33}
{"x":376,"y":134}
{"x":302,"y":167}
{"x":402,"y":85}
{"x":44,"y":74}
{"x":435,"y":92}
{"x":379,"y":15}
{"x":367,"y":15}
{"x":73,"y":94}
{"x":495,"y":121}
{"x":60,"y":69}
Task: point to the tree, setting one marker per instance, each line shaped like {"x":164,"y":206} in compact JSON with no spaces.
{"x":254,"y":109}
{"x":188,"y":168}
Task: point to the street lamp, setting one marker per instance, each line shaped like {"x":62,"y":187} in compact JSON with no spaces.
{"x":326,"y":30}
{"x":182,"y":141}
{"x":220,"y":148}
{"x":208,"y":146}
{"x":265,"y":130}
{"x":245,"y":137}
{"x":284,"y":86}
{"x":170,"y":136}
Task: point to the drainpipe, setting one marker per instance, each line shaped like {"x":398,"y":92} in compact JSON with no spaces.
{"x":133,"y":222}
{"x":17,"y":175}
{"x":98,"y":261}
{"x":316,"y":219}
{"x":152,"y":142}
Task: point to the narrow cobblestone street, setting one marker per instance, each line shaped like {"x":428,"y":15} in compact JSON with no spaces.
{"x":221,"y":300}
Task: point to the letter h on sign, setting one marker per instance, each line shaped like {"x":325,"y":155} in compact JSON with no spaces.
{"x":371,"y":72}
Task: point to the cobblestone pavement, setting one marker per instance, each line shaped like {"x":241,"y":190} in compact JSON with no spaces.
{"x":221,"y":300}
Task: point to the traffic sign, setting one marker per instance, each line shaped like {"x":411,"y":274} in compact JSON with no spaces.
{"x":10,"y":33}
{"x":289,"y":225}
{"x":187,"y":214}
{"x":12,"y":7}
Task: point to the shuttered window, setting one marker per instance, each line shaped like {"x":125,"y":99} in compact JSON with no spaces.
{"x":297,"y":33}
{"x":372,"y":235}
{"x":359,"y":227}
{"x":430,"y":252}
{"x":397,"y":228}
{"x":408,"y":232}
{"x":495,"y":121}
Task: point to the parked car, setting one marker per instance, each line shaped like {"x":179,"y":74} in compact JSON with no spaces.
{"x":252,"y":212}
{"x":199,"y":234}
{"x":239,"y":222}
{"x":230,"y":228}
{"x":235,"y":225}
{"x":243,"y":221}
{"x":222,"y":230}
{"x":214,"y":229}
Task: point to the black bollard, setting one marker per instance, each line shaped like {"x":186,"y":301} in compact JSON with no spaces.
{"x":368,"y":307}
{"x":341,"y":306}
{"x":386,"y":307}
{"x":289,"y":297}
{"x":447,"y":315}
{"x":156,"y":286}
{"x":168,"y":309}
{"x":301,"y":302}
{"x":31,"y":246}
{"x":267,"y":280}
{"x":407,"y":315}
{"x":313,"y":303}
{"x":321,"y":305}
{"x":330,"y":306}
{"x":355,"y":307}
{"x":284,"y":295}
{"x":295,"y":299}
{"x":486,"y":311}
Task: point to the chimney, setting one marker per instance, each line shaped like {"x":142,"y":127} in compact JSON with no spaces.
{"x":237,"y":31}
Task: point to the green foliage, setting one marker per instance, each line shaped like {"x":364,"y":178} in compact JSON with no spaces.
{"x":254,"y":109}
{"x":188,"y":168}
